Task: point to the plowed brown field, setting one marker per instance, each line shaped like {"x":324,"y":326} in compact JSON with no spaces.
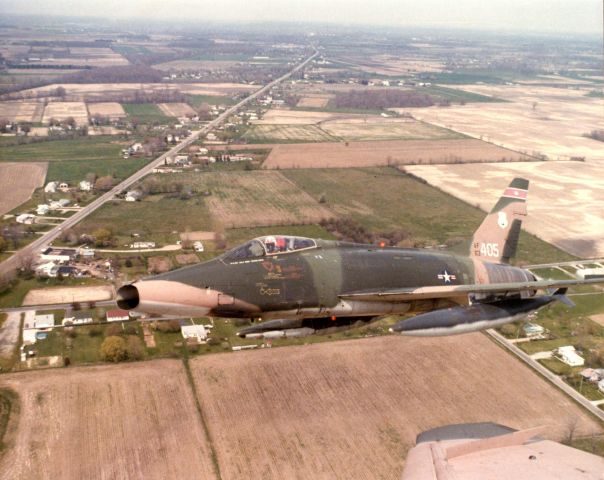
{"x":107,"y":422}
{"x":377,"y":153}
{"x":352,"y":409}
{"x":17,"y":183}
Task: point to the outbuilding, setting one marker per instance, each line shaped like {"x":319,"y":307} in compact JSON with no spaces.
{"x":569,"y":355}
{"x":117,"y":315}
{"x":194,"y":331}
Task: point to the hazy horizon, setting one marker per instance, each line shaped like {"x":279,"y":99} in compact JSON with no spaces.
{"x":582,"y":17}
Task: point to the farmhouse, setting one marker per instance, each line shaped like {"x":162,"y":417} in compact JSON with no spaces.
{"x":568,"y":355}
{"x":48,"y":269}
{"x":51,"y":187}
{"x":534,"y":331}
{"x":117,"y":315}
{"x":61,"y":203}
{"x":26,"y":218}
{"x":61,"y":255}
{"x":197,"y":332}
{"x":133,"y":196}
{"x":85,"y":186}
{"x":31,"y":328}
{"x":42,"y":209}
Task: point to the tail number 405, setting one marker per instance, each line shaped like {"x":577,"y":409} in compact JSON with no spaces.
{"x":489,"y":250}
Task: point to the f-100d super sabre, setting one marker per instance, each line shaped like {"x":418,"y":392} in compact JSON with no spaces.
{"x":295,"y":286}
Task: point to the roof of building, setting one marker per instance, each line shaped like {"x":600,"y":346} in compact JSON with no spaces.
{"x":117,"y":313}
{"x":45,"y":320}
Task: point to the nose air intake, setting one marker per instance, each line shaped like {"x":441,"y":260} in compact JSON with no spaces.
{"x":127,"y":297}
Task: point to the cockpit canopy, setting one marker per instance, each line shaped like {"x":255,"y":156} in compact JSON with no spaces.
{"x":268,"y":246}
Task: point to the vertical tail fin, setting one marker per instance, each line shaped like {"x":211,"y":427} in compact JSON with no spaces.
{"x":497,"y":237}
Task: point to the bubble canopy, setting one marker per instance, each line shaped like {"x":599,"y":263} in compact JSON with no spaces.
{"x":269,"y":245}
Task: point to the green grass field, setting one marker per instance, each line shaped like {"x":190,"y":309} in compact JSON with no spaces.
{"x":71,"y":160}
{"x":457,"y":95}
{"x":146,"y":112}
{"x":154,"y":219}
{"x":197,"y":101}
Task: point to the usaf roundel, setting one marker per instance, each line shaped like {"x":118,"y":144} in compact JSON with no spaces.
{"x":446,"y":276}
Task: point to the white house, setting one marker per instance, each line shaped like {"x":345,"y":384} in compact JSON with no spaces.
{"x":198,"y":246}
{"x":78,"y":318}
{"x":85,"y":186}
{"x":568,"y":355}
{"x":139,"y":245}
{"x":61,"y":255}
{"x":133,"y":196}
{"x":26,"y":218}
{"x":51,"y":187}
{"x":42,"y":209}
{"x":194,"y":331}
{"x":39,"y":323}
{"x":48,"y":269}
{"x":533,"y":330}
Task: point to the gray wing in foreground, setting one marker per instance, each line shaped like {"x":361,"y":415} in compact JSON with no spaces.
{"x":451,"y":291}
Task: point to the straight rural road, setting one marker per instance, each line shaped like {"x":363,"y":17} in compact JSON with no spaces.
{"x":551,"y":377}
{"x":14,"y":262}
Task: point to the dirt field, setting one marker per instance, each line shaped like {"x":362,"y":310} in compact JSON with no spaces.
{"x":550,"y":121}
{"x":565,"y":203}
{"x":17,"y":183}
{"x":256,"y":198}
{"x":48,"y":296}
{"x":314,"y":101}
{"x":128,"y":421}
{"x":353,"y":409}
{"x":187,"y":259}
{"x":176,"y":109}
{"x":22,"y":111}
{"x":375,"y":153}
{"x":112,"y":110}
{"x":82,"y":56}
{"x":63,"y":110}
{"x":286,"y":133}
{"x":159,"y":264}
{"x":194,"y":236}
{"x":363,"y":129}
{"x":386,"y":64}
{"x":599,"y":319}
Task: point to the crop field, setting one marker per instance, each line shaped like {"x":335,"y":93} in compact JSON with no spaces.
{"x":145,"y":112}
{"x":355,"y":408}
{"x":257,"y":198}
{"x":48,"y":296}
{"x":176,"y":109}
{"x":384,"y":200}
{"x":392,"y":152}
{"x":550,"y":121}
{"x":301,"y":117}
{"x":83,"y":56}
{"x":314,"y":101}
{"x":17,"y":183}
{"x":63,"y":110}
{"x":127,"y":421}
{"x":22,"y":111}
{"x":199,"y":65}
{"x":358,"y":129}
{"x":111,"y":110}
{"x":71,"y":160}
{"x":286,"y":134}
{"x":565,"y":202}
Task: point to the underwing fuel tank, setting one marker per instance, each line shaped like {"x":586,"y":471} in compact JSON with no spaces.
{"x":465,"y":319}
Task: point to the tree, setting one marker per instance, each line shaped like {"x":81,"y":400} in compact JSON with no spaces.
{"x":114,"y":349}
{"x":3,"y":243}
{"x":104,"y":183}
{"x":60,"y":92}
{"x":102,"y":237}
{"x":134,"y":348}
{"x":113,"y":330}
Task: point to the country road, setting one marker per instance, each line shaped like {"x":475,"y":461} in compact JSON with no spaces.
{"x":15,"y":261}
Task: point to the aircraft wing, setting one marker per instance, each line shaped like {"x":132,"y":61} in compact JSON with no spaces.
{"x":452,"y":291}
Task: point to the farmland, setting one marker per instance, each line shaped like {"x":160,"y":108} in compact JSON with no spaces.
{"x":383,"y":199}
{"x":145,"y":112}
{"x":367,"y":129}
{"x":393,"y":152}
{"x":111,"y":110}
{"x":22,"y":111}
{"x":47,"y":296}
{"x":71,"y":160}
{"x":270,"y":418}
{"x":17,"y":183}
{"x":286,"y":134}
{"x":176,"y":109}
{"x":565,"y":198}
{"x":64,"y":110}
{"x":255,"y":198}
{"x":130,"y":421}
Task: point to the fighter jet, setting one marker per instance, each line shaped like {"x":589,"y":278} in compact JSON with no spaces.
{"x":290,"y":285}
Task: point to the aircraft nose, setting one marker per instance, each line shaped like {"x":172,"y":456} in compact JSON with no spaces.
{"x":128,"y":297}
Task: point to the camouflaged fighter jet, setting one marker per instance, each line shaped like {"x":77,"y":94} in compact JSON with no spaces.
{"x":296,"y":286}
